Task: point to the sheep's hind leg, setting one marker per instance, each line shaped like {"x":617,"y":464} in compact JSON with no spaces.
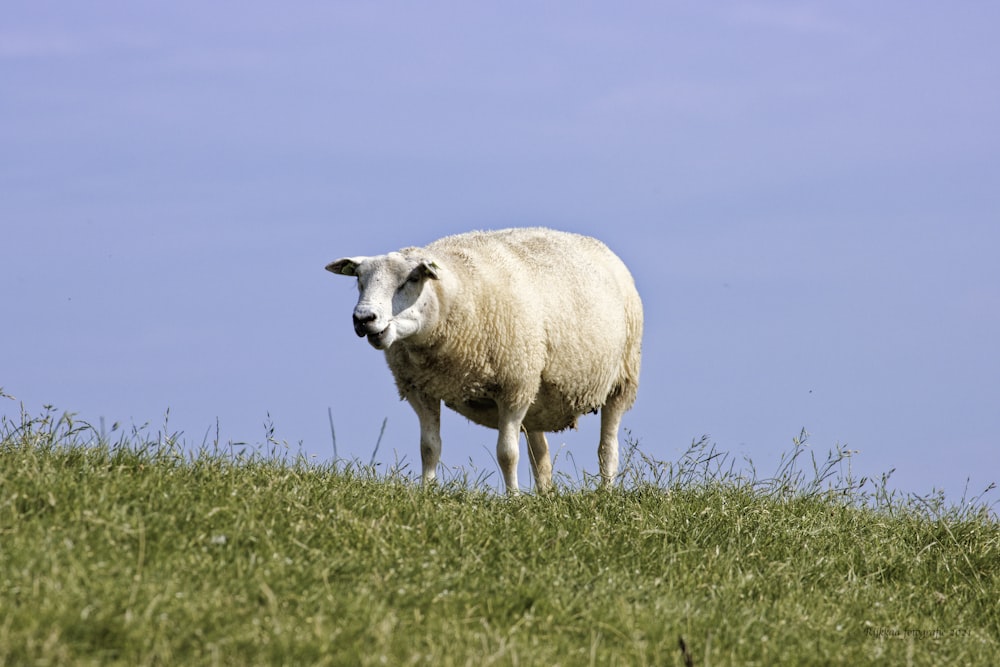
{"x":509,"y":427}
{"x":607,"y":450}
{"x":541,"y":463}
{"x":429,"y":413}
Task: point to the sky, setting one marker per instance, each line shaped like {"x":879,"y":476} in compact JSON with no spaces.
{"x":808,"y":196}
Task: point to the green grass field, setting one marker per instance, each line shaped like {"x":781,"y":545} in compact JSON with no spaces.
{"x":130,"y":551}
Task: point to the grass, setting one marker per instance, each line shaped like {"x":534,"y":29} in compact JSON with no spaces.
{"x":134,"y":552}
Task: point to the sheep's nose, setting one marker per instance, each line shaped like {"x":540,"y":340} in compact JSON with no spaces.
{"x":361,"y":318}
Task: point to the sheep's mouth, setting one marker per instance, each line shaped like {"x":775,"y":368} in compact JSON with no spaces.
{"x":377,"y":339}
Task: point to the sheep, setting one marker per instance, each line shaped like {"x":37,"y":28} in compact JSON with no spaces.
{"x":523,"y":328}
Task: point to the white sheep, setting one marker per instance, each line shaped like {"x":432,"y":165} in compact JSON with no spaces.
{"x":519,"y":328}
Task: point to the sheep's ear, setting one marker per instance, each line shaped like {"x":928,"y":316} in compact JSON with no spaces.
{"x":429,"y":269}
{"x":346,"y":266}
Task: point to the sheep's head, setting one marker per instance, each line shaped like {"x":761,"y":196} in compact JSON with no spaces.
{"x":395,"y":301}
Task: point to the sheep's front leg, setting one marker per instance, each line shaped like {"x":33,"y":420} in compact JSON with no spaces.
{"x":429,"y":413}
{"x":509,"y":427}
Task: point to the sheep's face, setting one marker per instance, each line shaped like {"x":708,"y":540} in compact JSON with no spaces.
{"x":394,"y":300}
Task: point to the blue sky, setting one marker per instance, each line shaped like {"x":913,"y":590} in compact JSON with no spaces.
{"x":808,"y":196}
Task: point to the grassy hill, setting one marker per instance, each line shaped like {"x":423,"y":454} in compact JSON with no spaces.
{"x":133,"y":552}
